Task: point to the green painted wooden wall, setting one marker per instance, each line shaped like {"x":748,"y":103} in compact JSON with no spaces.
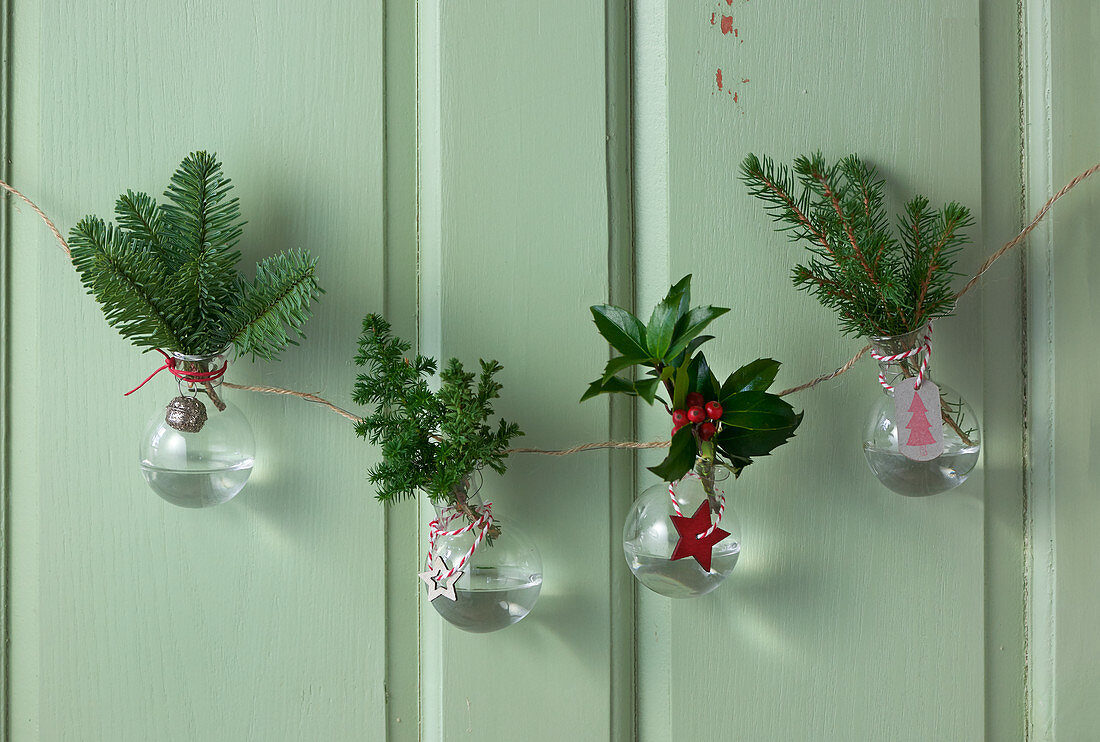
{"x":482,"y":172}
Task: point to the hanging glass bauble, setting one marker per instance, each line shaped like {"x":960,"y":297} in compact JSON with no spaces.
{"x":922,"y":437}
{"x":682,"y":540}
{"x":198,"y":450}
{"x":482,"y":575}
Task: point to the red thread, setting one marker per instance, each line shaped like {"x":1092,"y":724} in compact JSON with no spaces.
{"x":189,"y":376}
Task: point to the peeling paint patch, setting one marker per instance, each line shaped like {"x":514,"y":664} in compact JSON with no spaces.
{"x":718,"y":78}
{"x":727,"y":24}
{"x":712,"y":18}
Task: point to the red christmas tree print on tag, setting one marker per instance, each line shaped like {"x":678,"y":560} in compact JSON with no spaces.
{"x":920,"y":430}
{"x":918,"y":411}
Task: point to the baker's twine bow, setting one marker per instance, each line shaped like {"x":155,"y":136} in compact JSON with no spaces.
{"x":676,"y":504}
{"x":193,"y":377}
{"x":449,"y":516}
{"x":924,"y":347}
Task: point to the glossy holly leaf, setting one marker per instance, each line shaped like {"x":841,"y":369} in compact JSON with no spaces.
{"x":681,"y":456}
{"x":662,"y":325}
{"x":647,"y":389}
{"x":682,"y":289}
{"x":692,"y":346}
{"x":621,"y":329}
{"x":618,"y":363}
{"x":616,"y":384}
{"x":700,"y":378}
{"x":752,"y":377}
{"x":740,"y":444}
{"x":758,"y":411}
{"x":690,"y":325}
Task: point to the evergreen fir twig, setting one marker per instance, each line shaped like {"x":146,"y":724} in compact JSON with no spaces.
{"x":878,"y":283}
{"x":166,"y":275}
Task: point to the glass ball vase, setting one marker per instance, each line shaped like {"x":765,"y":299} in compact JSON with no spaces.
{"x":500,"y":582}
{"x":962,"y":437}
{"x":650,"y":537}
{"x":203,"y":459}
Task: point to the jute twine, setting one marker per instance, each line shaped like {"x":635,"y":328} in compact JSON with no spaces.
{"x":309,"y":397}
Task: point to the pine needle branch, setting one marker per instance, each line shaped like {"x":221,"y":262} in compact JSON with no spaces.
{"x":127,"y":282}
{"x":278,"y":299}
{"x":878,"y":283}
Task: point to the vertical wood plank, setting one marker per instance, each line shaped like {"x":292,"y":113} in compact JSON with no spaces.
{"x":1075,"y":273}
{"x":1002,"y":330}
{"x":522,"y":182}
{"x":5,"y":360}
{"x":848,"y":599}
{"x":262,"y":618}
{"x":402,"y":547}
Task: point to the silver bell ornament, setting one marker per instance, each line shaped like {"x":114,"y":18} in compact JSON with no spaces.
{"x":186,"y":414}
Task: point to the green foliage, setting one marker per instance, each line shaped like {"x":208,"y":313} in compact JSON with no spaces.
{"x":429,"y":440}
{"x":753,"y":422}
{"x":166,"y":275}
{"x":878,"y":283}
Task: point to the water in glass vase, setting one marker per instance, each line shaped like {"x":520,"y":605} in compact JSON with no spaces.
{"x":493,"y":599}
{"x":962,"y":438}
{"x":198,"y":488}
{"x":921,"y":478}
{"x":683,"y":578}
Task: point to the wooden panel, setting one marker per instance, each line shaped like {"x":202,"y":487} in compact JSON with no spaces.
{"x":518,"y":174}
{"x":853,"y":612}
{"x":262,"y":618}
{"x":1074,"y":119}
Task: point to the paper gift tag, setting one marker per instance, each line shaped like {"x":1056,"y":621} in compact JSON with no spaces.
{"x":920,"y":422}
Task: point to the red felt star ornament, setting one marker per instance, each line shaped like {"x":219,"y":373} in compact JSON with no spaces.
{"x":692,"y":543}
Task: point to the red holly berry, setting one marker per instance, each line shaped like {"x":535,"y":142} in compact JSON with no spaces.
{"x":707,"y":431}
{"x":679,"y":417}
{"x":676,"y":428}
{"x":714,"y":411}
{"x":696,"y":414}
{"x":695,"y":399}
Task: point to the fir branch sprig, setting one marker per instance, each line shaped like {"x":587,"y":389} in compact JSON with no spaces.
{"x":166,"y":275}
{"x":878,"y":283}
{"x":430,"y":440}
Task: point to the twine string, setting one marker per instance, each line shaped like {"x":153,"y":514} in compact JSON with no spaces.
{"x":448,"y":516}
{"x":676,"y":505}
{"x":923,"y":349}
{"x":1039,"y":216}
{"x":192,"y":377}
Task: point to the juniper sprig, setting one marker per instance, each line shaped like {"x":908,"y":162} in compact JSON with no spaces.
{"x":430,"y":440}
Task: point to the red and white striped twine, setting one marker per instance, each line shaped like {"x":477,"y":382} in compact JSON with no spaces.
{"x":676,"y":505}
{"x":924,"y":347}
{"x":450,"y":515}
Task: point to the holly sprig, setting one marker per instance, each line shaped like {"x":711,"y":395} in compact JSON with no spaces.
{"x":732,"y":421}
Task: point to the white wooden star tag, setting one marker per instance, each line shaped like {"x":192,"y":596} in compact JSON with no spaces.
{"x":437,"y":580}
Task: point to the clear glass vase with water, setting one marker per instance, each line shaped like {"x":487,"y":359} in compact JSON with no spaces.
{"x":961,"y":431}
{"x":500,"y":581}
{"x":204,"y":467}
{"x":649,"y":536}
